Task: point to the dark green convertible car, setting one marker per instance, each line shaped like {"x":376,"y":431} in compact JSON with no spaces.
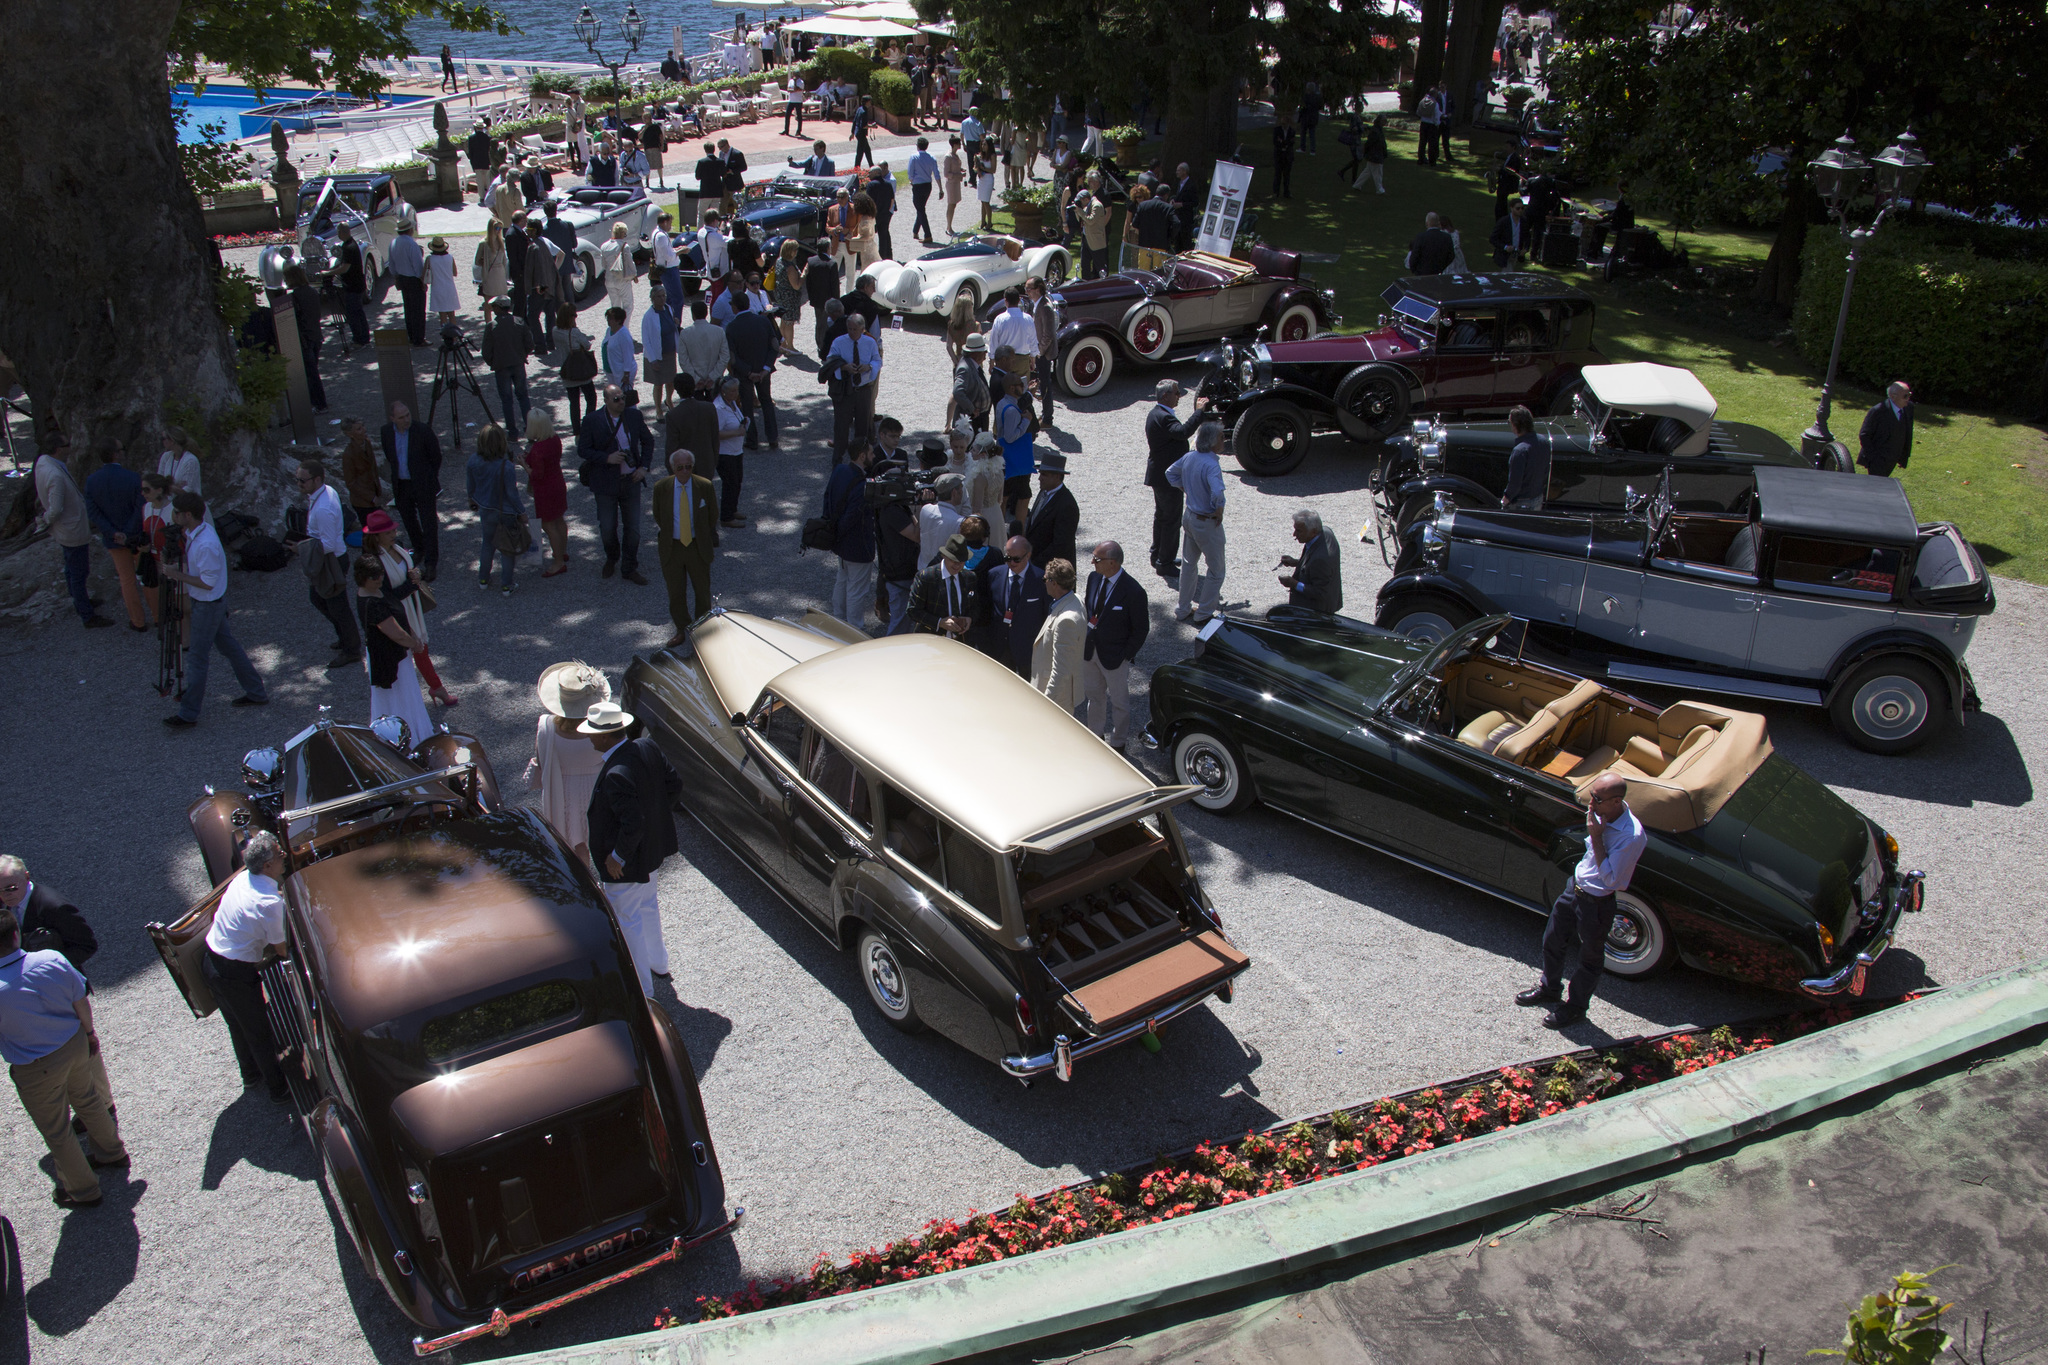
{"x":1471,"y":760}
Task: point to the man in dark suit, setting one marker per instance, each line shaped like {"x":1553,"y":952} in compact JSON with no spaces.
{"x":821,"y":286}
{"x":1166,"y":441}
{"x":1055,"y":516}
{"x":1432,"y":250}
{"x":692,"y":423}
{"x":685,"y":539}
{"x":1317,"y":581}
{"x":754,"y":342}
{"x":1510,"y":239}
{"x":48,"y":921}
{"x":1119,"y":619}
{"x":859,"y":301}
{"x":1544,"y":195}
{"x":632,"y":831}
{"x":413,"y":455}
{"x":619,"y":451}
{"x":1189,"y":195}
{"x":1017,"y":603}
{"x":1887,"y":435}
{"x":946,"y":599}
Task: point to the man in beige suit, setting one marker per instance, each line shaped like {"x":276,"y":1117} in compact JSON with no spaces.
{"x":1056,"y":653}
{"x":686,"y":534}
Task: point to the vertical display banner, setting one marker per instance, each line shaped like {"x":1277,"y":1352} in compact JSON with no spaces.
{"x":1228,"y":189}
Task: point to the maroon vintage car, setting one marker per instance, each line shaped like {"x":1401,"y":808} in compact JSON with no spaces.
{"x":1462,"y":345}
{"x":1149,"y":316}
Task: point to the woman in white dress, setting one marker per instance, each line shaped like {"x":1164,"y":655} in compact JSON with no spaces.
{"x":407,"y":592}
{"x":394,"y":682}
{"x":564,"y":766}
{"x":492,"y":271}
{"x":616,"y":259}
{"x":441,"y":279}
{"x":985,"y":186}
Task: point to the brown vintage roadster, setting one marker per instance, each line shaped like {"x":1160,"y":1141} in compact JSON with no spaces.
{"x":504,"y":1122}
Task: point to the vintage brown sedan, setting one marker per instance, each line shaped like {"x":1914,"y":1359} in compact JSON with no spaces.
{"x":505,"y":1124}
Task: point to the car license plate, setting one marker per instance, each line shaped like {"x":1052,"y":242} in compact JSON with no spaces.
{"x":1872,"y":879}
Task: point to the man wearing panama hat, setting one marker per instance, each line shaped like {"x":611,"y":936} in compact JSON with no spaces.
{"x":632,"y":831}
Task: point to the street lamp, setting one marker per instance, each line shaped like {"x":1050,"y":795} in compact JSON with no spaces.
{"x":631,"y":28}
{"x":1838,"y":175}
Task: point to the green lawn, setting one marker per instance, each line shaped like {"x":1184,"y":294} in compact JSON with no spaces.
{"x":1987,"y":473}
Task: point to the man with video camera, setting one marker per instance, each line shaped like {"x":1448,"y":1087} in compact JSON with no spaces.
{"x":193,"y":556}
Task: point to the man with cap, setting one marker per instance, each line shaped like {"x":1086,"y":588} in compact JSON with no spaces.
{"x":971,"y":398}
{"x":409,"y":272}
{"x":632,"y":831}
{"x":1055,"y":516}
{"x":1119,"y":618}
{"x":946,"y":599}
{"x":686,"y":537}
{"x":52,"y":1054}
{"x":1166,"y":440}
{"x":1056,"y":653}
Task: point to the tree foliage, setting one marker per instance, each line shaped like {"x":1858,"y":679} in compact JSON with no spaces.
{"x":1683,"y":118}
{"x":328,"y":43}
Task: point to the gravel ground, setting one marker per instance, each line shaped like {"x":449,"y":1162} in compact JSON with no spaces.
{"x":834,"y":1131}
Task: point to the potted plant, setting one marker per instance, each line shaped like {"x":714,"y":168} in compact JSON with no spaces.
{"x":1516,"y":97}
{"x":1126,"y":140}
{"x":1028,"y":205}
{"x":240,"y":192}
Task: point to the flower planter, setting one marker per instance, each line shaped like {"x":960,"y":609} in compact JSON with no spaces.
{"x":236,"y":198}
{"x":1029,"y":222}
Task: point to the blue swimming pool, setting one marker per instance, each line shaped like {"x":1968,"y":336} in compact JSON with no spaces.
{"x":229,"y":106}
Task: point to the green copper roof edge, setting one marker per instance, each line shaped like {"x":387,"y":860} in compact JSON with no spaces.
{"x":1026,"y":1298}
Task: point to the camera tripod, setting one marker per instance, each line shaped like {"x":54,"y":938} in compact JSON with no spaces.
{"x":452,"y":374}
{"x":170,"y":638}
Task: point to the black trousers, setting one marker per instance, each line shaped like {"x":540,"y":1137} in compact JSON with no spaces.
{"x":1578,"y":928}
{"x":920,"y":195}
{"x":237,"y":986}
{"x":853,"y":415}
{"x":309,"y":351}
{"x":1167,"y":503}
{"x":756,"y":398}
{"x":882,"y":237}
{"x":422,"y":523}
{"x":339,"y":615}
{"x":795,"y":111}
{"x":1094,"y":260}
{"x":1283,"y":177}
{"x":861,"y":150}
{"x":413,"y":289}
{"x":732,"y":471}
{"x":1042,"y":367}
{"x":540,"y":320}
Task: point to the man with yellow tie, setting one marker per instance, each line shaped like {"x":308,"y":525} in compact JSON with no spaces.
{"x":686,"y":531}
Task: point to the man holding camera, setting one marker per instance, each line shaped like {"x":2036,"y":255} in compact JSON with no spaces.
{"x":205,"y":577}
{"x":897,"y":543}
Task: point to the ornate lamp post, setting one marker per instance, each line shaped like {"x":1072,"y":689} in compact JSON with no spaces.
{"x":630,"y":28}
{"x":1838,"y":175}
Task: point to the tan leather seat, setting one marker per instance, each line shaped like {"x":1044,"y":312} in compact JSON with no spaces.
{"x":1530,"y":740}
{"x":1486,"y":731}
{"x":1641,"y":756}
{"x":1585,"y":694}
{"x":1593,"y":764}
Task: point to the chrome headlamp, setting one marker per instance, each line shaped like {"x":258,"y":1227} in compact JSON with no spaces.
{"x":1436,"y":528}
{"x":262,"y":769}
{"x":1247,"y":372}
{"x":1432,"y":456}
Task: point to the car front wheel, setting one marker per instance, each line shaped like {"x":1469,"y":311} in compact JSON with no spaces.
{"x":1297,"y":322}
{"x":1206,"y":760}
{"x":1425,"y":617}
{"x":585,"y":278}
{"x":968,"y":292}
{"x":1638,"y":941}
{"x":1372,"y":402}
{"x":1889,"y":705}
{"x":1086,"y":367}
{"x":888,"y":985}
{"x":1270,"y":438}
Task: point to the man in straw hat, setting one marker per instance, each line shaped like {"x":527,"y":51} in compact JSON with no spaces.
{"x":632,"y":831}
{"x":564,"y":767}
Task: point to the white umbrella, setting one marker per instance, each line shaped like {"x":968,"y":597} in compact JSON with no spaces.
{"x":880,"y":9}
{"x":850,"y":28}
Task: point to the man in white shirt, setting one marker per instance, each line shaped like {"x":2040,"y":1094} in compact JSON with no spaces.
{"x":717,"y":261}
{"x":1014,"y":327}
{"x":860,"y":366}
{"x":618,"y":352}
{"x":924,"y":173}
{"x":205,"y":577}
{"x":249,"y":921}
{"x":1584,"y":912}
{"x":324,"y":526}
{"x":667,"y":261}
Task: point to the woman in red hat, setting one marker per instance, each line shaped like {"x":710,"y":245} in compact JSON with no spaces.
{"x":405,"y":591}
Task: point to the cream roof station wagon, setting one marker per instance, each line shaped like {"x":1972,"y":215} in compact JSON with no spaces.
{"x":1034,"y":920}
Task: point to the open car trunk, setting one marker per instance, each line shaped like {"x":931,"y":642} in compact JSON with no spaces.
{"x":1119,"y":931}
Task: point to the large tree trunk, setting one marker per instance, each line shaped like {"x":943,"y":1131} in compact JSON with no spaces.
{"x":1777,"y":284}
{"x":106,"y":287}
{"x":1471,"y":54}
{"x":1429,"y":49}
{"x":1201,"y":124}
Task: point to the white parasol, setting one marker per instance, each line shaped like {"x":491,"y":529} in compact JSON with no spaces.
{"x":840,"y":27}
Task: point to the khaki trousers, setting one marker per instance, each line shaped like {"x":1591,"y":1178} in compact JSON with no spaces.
{"x":1106,"y":694}
{"x":51,"y":1089}
{"x":131,"y":588}
{"x":1201,"y":542}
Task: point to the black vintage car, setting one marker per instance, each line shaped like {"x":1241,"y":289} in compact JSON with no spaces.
{"x":1453,"y":344}
{"x":1034,"y":921}
{"x":504,"y":1123}
{"x":1173,"y":312}
{"x":1823,"y":591}
{"x":1624,"y":426}
{"x":1468,"y":759}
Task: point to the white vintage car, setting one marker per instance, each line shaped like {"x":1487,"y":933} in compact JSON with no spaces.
{"x":980,"y":267}
{"x":592,"y":210}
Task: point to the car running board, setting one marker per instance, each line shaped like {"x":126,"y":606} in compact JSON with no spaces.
{"x":1715,"y":682}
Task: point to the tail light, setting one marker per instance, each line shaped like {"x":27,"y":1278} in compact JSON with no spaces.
{"x":1026,"y":1025}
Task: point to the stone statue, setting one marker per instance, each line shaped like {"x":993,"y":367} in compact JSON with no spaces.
{"x":444,"y":150}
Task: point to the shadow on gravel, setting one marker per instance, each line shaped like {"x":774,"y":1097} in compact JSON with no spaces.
{"x":265,"y":1135}
{"x":13,"y":1320}
{"x":1975,"y":764}
{"x":95,"y":1260}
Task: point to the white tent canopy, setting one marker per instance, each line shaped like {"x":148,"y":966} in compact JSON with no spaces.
{"x":840,"y":27}
{"x":898,"y":10}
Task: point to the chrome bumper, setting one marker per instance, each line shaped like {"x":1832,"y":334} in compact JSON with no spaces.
{"x":1854,"y":975}
{"x":1065,"y":1052}
{"x":502,"y":1322}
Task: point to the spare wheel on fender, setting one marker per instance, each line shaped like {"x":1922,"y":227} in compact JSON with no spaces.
{"x":1148,"y":330}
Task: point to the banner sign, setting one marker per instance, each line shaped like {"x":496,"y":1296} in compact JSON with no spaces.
{"x":1228,"y":189}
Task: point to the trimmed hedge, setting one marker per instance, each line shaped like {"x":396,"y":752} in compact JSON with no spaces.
{"x":1957,"y":326}
{"x":855,"y":64}
{"x":891,"y":90}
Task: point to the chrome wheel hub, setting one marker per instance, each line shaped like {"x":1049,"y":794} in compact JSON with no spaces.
{"x":1890,"y":707}
{"x":886,"y":979}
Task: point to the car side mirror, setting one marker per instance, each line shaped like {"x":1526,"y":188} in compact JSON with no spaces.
{"x":739,"y":722}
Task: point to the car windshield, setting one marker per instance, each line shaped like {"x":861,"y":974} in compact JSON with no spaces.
{"x":1496,"y":634}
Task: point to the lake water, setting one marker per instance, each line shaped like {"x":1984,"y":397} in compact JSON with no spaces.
{"x":547,"y":30}
{"x":225,"y":104}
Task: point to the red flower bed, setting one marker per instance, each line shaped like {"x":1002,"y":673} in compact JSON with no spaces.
{"x":228,"y":241}
{"x":1218,"y":1173}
